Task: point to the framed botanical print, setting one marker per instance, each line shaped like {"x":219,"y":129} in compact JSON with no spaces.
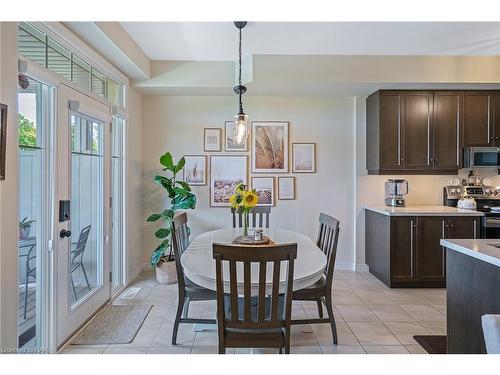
{"x":226,"y":172}
{"x":3,"y":139}
{"x":304,"y":157}
{"x":212,"y":139}
{"x":230,"y":144}
{"x":195,"y":170}
{"x":270,"y":147}
{"x":286,"y":188}
{"x":265,"y":189}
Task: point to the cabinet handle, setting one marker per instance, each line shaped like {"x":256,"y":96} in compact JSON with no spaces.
{"x":443,"y":225}
{"x":411,"y":248}
{"x":475,"y":229}
{"x":489,"y":106}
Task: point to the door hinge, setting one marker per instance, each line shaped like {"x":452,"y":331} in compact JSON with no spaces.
{"x":110,"y":202}
{"x":110,"y":276}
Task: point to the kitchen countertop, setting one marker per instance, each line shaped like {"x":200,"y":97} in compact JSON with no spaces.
{"x":481,"y":249}
{"x":422,"y":210}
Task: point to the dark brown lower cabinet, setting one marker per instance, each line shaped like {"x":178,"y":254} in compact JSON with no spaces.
{"x":404,"y":251}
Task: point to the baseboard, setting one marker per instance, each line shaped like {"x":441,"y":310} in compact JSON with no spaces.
{"x":344,"y":266}
{"x":362,"y":267}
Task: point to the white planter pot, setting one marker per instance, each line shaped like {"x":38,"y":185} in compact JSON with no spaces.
{"x":166,"y":273}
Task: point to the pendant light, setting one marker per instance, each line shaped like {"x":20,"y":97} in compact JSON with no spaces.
{"x":241,"y":126}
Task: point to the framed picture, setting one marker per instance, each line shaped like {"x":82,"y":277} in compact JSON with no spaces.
{"x":195,"y":170}
{"x":226,"y":172}
{"x":3,"y":139}
{"x":212,"y":139}
{"x":265,"y":189}
{"x":270,"y":147}
{"x":304,"y":157}
{"x":229,"y":143}
{"x":286,"y":188}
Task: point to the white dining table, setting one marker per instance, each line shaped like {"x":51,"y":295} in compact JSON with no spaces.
{"x":199,"y":265}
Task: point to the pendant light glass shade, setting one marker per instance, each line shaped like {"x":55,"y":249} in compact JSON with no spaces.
{"x":240,"y":131}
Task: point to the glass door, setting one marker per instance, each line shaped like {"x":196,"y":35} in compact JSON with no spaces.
{"x":84,"y":199}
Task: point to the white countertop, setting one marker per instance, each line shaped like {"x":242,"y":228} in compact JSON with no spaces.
{"x":479,"y":249}
{"x":422,"y":211}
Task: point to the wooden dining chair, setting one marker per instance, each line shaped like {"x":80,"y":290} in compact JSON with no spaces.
{"x":261,"y":320}
{"x":187,"y":290}
{"x":321,"y":291}
{"x":259,"y":217}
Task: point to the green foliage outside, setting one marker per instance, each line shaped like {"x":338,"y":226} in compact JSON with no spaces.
{"x":27,"y":132}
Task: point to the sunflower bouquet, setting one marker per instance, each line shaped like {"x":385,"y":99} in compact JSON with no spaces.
{"x":244,"y":200}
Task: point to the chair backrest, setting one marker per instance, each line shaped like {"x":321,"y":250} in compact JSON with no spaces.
{"x":328,"y":236}
{"x":251,"y":257}
{"x":82,"y":242}
{"x":180,"y":242}
{"x":259,"y":217}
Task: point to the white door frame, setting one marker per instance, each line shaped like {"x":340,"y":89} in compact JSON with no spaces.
{"x":69,"y":320}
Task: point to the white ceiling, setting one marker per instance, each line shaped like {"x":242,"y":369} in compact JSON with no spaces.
{"x":215,"y":41}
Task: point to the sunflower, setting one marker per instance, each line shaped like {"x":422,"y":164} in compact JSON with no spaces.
{"x":235,"y":200}
{"x":250,"y":199}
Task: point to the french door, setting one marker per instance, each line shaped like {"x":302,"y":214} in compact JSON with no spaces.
{"x":83,"y":230}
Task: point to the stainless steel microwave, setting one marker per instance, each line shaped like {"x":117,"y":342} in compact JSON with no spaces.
{"x":481,"y":157}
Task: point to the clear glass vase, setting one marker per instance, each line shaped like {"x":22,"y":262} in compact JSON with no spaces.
{"x":245,"y":225}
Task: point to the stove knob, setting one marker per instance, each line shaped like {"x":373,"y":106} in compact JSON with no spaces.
{"x":488,"y":191}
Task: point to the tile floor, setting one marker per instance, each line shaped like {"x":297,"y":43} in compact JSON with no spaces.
{"x":371,"y":318}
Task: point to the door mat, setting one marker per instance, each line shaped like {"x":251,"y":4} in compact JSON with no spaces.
{"x":114,"y":324}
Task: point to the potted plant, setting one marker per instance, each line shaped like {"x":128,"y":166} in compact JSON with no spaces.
{"x":181,"y":198}
{"x":25,"y":228}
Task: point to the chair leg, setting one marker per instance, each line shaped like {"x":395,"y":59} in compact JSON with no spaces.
{"x":329,"y":309}
{"x":222,"y":349}
{"x":85,"y":274}
{"x":180,"y":307}
{"x":186,"y":308}
{"x":73,"y":285}
{"x":280,"y":351}
{"x":288,"y":333}
{"x":320,"y":308}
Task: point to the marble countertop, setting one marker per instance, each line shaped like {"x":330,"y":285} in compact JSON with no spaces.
{"x":422,"y":211}
{"x":482,"y":249}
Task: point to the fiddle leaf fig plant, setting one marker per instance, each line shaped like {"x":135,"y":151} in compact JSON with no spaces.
{"x":181,"y":198}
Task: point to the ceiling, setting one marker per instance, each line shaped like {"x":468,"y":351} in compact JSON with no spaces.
{"x":217,"y":41}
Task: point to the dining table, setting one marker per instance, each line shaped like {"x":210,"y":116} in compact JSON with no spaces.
{"x":199,"y":265}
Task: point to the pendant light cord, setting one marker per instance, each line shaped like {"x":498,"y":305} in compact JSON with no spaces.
{"x":239,"y":73}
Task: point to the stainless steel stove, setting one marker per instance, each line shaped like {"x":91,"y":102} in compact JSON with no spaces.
{"x":486,"y":197}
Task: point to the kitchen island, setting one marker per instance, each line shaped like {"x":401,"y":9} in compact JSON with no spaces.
{"x":402,"y":243}
{"x":473,"y":289}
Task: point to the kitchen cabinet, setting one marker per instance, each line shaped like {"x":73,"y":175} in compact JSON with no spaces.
{"x":423,"y":132}
{"x":446,"y":123}
{"x":405,"y":251}
{"x":477,"y":128}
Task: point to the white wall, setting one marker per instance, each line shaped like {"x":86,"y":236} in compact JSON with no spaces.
{"x":175,"y":124}
{"x":133,"y":176}
{"x":8,"y":189}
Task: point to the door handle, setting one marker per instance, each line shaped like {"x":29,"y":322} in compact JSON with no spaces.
{"x":64,"y":233}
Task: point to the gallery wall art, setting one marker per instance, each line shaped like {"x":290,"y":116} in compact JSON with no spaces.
{"x":304,"y":157}
{"x":212,"y":139}
{"x":195,"y":169}
{"x":226,"y":172}
{"x":229,"y":143}
{"x":269,"y":147}
{"x":3,"y":139}
{"x":265,"y":189}
{"x":286,"y":188}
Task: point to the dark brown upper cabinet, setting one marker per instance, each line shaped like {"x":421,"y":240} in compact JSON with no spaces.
{"x":446,"y":126}
{"x":478,"y":129}
{"x":423,"y":132}
{"x":418,"y":132}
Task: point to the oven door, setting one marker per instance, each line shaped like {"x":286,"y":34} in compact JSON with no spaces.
{"x":481,"y":157}
{"x":491,"y":227}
